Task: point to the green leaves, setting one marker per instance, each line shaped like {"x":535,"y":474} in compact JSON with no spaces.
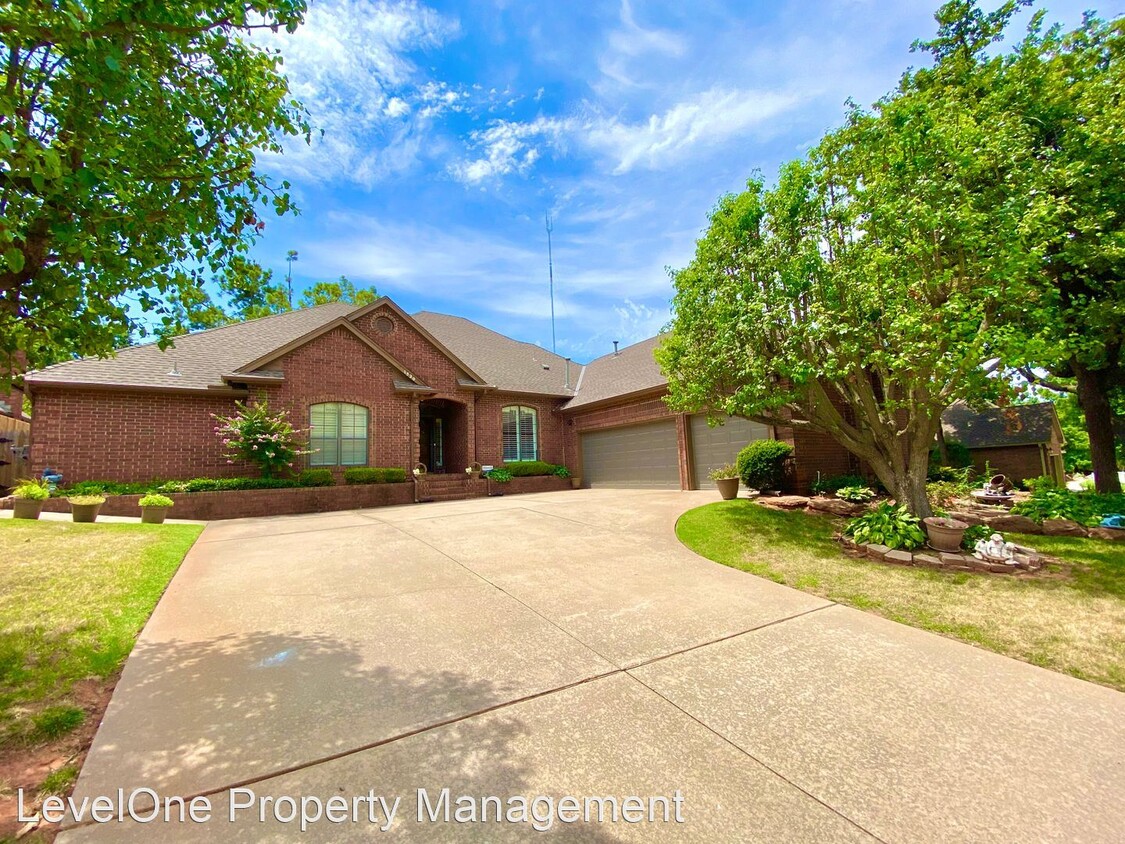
{"x":128,"y":147}
{"x":888,"y":525}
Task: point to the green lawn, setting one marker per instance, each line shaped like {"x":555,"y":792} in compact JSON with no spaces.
{"x":1072,"y":620}
{"x":73,"y":598}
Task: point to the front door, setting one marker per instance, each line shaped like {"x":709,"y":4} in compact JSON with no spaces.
{"x":431,"y":443}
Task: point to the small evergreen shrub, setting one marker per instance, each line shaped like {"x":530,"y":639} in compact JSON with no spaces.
{"x":888,"y":525}
{"x":316,"y":477}
{"x":761,"y":464}
{"x":374,"y":475}
{"x":529,"y":468}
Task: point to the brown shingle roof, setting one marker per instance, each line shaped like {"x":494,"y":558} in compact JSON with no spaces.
{"x":1022,"y":424}
{"x":631,"y":370}
{"x":201,"y":358}
{"x":505,"y":363}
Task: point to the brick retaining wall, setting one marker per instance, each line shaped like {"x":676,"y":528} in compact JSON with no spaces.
{"x":238,"y":504}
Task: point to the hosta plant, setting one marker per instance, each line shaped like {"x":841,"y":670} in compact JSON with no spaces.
{"x":888,"y":525}
{"x":856,"y":494}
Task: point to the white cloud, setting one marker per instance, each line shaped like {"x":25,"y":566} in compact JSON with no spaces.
{"x":349,"y":65}
{"x":708,"y":118}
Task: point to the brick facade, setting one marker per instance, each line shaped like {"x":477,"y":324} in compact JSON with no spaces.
{"x":136,"y":435}
{"x":123,"y":435}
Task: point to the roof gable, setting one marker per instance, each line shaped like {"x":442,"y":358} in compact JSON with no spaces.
{"x":632,"y":370}
{"x":340,"y":322}
{"x":991,"y":427}
{"x":384,"y":302}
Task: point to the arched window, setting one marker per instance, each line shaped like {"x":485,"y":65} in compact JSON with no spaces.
{"x":521,"y":433}
{"x":338,"y":435}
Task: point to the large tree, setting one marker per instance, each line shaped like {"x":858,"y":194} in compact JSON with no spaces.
{"x":1069,"y":92}
{"x":856,"y":297}
{"x":128,"y":133}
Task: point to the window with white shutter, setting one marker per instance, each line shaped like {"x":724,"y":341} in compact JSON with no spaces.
{"x":521,"y":433}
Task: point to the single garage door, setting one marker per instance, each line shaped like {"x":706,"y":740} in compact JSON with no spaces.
{"x":715,"y":447}
{"x":633,"y":457}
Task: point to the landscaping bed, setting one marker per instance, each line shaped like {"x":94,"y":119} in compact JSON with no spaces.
{"x":73,"y":599}
{"x":1068,"y":617}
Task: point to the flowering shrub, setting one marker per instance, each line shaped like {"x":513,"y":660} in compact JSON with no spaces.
{"x":258,"y":436}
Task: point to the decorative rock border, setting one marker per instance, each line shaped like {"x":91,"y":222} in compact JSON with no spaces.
{"x":1026,"y":559}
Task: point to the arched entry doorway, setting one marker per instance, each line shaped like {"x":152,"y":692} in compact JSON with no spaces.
{"x":443,"y":435}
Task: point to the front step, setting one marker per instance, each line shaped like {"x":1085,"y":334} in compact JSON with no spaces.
{"x":449,"y":487}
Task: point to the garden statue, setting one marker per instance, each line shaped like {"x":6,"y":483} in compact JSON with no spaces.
{"x":995,"y":549}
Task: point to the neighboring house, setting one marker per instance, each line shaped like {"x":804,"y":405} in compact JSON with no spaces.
{"x":383,"y":388}
{"x":1022,"y":441}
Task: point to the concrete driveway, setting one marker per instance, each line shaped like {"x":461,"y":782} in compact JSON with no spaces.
{"x":566,"y":645}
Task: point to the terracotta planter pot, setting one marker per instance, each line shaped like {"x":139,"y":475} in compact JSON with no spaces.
{"x":153,"y":515}
{"x":576,"y":482}
{"x":26,"y":508}
{"x":85,"y":512}
{"x":728,"y":488}
{"x":944,"y":534}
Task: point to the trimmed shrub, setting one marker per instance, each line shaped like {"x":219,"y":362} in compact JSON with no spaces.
{"x":316,"y":477}
{"x":959,"y":456}
{"x":832,"y":483}
{"x":109,"y":488}
{"x":529,"y":468}
{"x":761,"y":465}
{"x":374,"y":475}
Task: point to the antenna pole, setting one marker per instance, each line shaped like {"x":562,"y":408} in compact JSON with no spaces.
{"x":551,"y":274}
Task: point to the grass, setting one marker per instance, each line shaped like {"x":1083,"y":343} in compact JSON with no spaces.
{"x":1070,"y":620}
{"x":73,"y":598}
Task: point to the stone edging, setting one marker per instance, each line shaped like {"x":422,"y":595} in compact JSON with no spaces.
{"x":1026,"y":559}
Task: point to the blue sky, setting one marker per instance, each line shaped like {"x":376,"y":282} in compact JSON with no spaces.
{"x":450,"y":129}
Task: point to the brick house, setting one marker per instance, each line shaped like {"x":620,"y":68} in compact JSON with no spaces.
{"x":380,"y":387}
{"x":1021,"y":441}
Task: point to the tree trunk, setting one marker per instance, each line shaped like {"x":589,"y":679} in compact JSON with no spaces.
{"x":1093,"y":398}
{"x":906,"y":483}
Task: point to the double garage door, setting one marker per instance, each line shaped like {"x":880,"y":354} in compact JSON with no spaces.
{"x":648,"y":456}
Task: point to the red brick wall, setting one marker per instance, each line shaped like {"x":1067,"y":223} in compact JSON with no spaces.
{"x":136,"y":436}
{"x":128,"y":436}
{"x":815,"y":452}
{"x":489,"y":435}
{"x":1018,"y":462}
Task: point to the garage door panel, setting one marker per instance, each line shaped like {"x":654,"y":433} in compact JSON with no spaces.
{"x":715,"y":447}
{"x":632,"y":457}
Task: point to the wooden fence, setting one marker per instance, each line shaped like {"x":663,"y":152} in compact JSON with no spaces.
{"x":15,"y":438}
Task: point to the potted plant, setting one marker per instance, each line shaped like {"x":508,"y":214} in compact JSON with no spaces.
{"x":84,"y":508}
{"x":29,"y":496}
{"x":944,"y":534}
{"x":727,"y":480}
{"x":154,"y":508}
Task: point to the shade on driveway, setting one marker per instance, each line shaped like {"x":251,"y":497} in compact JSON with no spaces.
{"x":566,"y":644}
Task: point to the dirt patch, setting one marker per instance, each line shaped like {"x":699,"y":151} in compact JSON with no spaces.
{"x":27,"y":767}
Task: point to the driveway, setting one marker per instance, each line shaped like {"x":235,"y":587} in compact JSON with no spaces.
{"x":566,"y":645}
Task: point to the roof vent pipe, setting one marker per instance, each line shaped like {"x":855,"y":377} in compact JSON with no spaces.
{"x":615,"y":342}
{"x":568,"y":373}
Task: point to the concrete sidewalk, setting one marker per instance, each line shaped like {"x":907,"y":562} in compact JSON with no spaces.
{"x":566,"y":644}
